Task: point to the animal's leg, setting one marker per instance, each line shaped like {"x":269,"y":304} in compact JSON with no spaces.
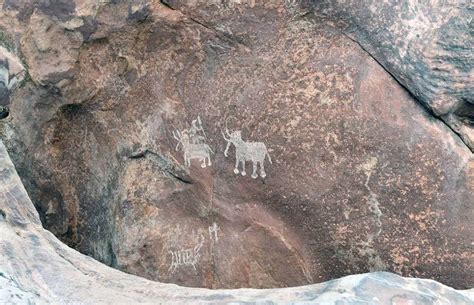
{"x":226,"y":148}
{"x":254,"y":169}
{"x":209,"y":160}
{"x":236,"y":169}
{"x":186,"y":159}
{"x":203,"y":162}
{"x":262,"y":169}
{"x":173,"y":265}
{"x":243,"y":173}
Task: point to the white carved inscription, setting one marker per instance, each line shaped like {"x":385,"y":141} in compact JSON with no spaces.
{"x":192,"y":142}
{"x":186,"y":257}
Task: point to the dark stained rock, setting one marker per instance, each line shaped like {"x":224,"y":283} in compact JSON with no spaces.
{"x":361,"y":177}
{"x":4,"y":112}
{"x":60,"y":9}
{"x":426,"y":46}
{"x":4,"y":96}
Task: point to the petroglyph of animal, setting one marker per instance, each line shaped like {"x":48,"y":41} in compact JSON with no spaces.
{"x":247,"y":151}
{"x":186,"y":257}
{"x":200,"y":151}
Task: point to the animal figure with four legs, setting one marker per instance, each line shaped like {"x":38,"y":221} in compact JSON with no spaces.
{"x":247,"y":151}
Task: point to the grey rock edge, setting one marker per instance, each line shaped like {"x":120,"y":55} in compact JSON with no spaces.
{"x":36,"y":268}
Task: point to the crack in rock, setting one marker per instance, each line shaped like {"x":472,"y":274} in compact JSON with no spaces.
{"x":165,"y":165}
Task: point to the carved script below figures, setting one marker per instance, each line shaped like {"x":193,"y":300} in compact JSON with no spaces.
{"x":186,"y":257}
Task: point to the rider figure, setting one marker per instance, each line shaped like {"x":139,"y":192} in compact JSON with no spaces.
{"x":194,"y":135}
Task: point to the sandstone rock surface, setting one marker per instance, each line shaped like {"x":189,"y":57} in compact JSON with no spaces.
{"x":36,"y":268}
{"x":426,"y":46}
{"x":362,"y":178}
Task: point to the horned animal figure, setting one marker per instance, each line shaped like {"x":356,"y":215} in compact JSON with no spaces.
{"x":247,"y":151}
{"x":199,"y":151}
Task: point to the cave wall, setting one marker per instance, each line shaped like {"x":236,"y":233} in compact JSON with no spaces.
{"x":364,"y":176}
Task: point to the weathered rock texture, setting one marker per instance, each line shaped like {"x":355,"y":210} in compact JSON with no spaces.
{"x":36,"y":268}
{"x":362,"y":177}
{"x":425,"y":45}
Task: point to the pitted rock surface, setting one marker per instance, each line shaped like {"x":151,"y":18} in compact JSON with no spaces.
{"x":426,"y":46}
{"x":362,"y":177}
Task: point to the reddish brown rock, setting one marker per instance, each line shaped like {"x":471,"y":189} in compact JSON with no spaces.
{"x":362,"y":178}
{"x":426,"y":46}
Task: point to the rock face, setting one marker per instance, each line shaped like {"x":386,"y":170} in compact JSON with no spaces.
{"x":426,"y":46}
{"x":358,"y":177}
{"x":36,"y":268}
{"x":12,"y":73}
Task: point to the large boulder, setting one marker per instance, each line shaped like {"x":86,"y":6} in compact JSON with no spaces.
{"x":361,"y":177}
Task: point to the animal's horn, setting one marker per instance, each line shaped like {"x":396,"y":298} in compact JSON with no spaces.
{"x":226,"y":128}
{"x":223,"y":135}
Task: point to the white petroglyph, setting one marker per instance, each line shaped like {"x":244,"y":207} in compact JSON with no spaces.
{"x":186,"y":257}
{"x":247,"y":151}
{"x":213,"y":232}
{"x":193,"y":144}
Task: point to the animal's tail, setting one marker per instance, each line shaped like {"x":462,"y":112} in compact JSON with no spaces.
{"x":209,"y":148}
